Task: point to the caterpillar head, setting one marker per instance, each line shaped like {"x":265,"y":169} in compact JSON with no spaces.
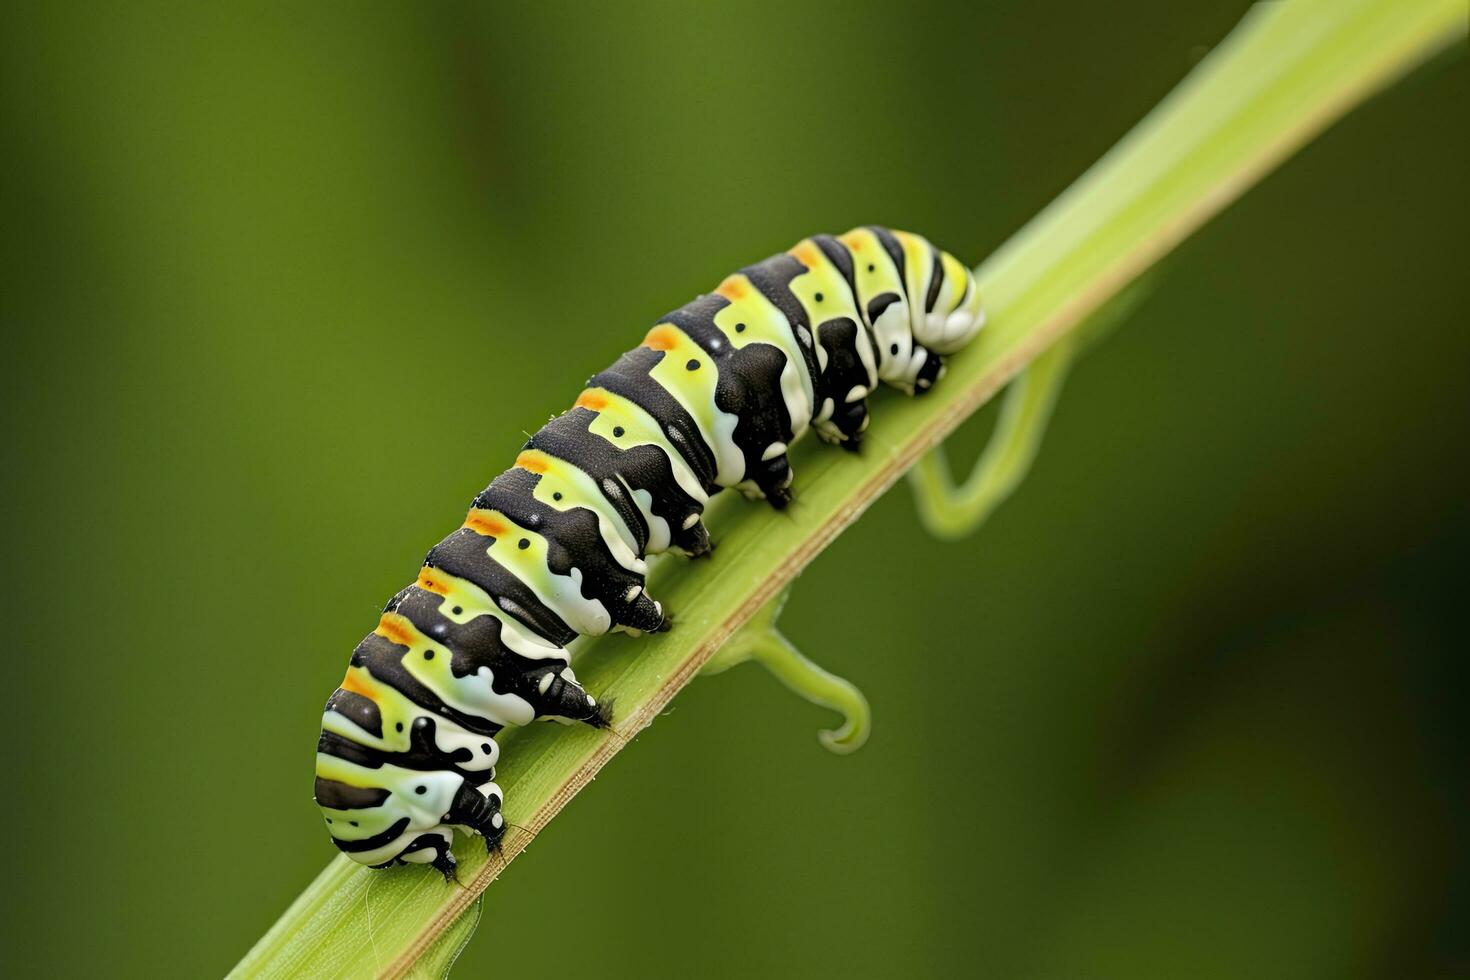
{"x":946,"y":333}
{"x":953,"y":314}
{"x":914,"y":372}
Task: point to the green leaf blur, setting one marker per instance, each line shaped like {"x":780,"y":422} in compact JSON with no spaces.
{"x":284,"y":288}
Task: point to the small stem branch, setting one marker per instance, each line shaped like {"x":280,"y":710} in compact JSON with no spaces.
{"x":818,"y":686}
{"x":952,"y":512}
{"x":762,"y":641}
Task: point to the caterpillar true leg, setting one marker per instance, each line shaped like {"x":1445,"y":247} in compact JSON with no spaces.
{"x":556,"y":547}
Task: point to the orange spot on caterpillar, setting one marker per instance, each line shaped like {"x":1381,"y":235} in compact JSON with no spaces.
{"x":432,"y":580}
{"x":355,"y":685}
{"x":533,"y":462}
{"x":486,"y":523}
{"x":392,"y":626}
{"x":853,"y":240}
{"x":662,"y":337}
{"x":591,"y":399}
{"x":807,"y":254}
{"x":733,"y":288}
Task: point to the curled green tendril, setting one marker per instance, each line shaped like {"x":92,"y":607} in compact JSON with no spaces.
{"x":951,"y":512}
{"x":760,"y":640}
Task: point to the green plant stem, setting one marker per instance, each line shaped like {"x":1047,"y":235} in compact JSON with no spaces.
{"x":1279,"y":79}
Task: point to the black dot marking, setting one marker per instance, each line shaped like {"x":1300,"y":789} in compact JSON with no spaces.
{"x":457,"y":610}
{"x":693,"y":364}
{"x":740,"y":328}
{"x":353,"y":822}
{"x":556,"y":496}
{"x":870,"y":267}
{"x":617,"y":432}
{"x":485,"y":747}
{"x":524,"y":543}
{"x":329,"y":820}
{"x":399,"y":726}
{"x":428,"y":654}
{"x":893,"y":348}
{"x":819,"y":297}
{"x":421,"y":790}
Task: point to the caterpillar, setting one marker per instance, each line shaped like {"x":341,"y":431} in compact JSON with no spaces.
{"x":555,"y":546}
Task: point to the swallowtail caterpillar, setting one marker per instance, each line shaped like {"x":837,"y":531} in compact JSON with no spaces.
{"x":556,"y":546}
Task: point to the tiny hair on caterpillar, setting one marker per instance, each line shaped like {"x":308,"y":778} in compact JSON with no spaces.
{"x":555,"y":547}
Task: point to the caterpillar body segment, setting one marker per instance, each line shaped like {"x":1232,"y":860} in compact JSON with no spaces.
{"x":556,"y":546}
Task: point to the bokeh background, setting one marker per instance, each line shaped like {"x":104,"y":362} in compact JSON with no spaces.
{"x":1188,"y":706}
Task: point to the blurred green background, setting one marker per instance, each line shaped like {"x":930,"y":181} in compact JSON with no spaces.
{"x":1198,"y":712}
